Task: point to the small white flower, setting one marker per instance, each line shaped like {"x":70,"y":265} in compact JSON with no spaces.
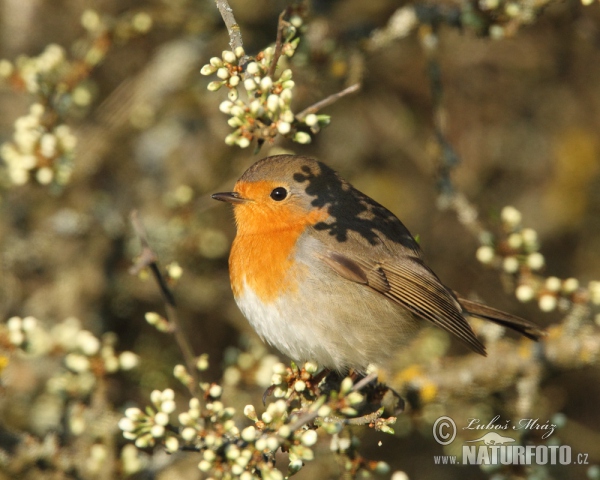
{"x":529,"y":236}
{"x":202,"y":362}
{"x":168,"y":406}
{"x":29,"y":324}
{"x":250,"y":412}
{"x":44,"y":175}
{"x":189,"y":434}
{"x":157,"y":431}
{"x":215,"y":391}
{"x":283,"y":128}
{"x":273,"y":102}
{"x":302,"y":137}
{"x":300,"y":386}
{"x":214,"y":86}
{"x":16,"y":337}
{"x":510,"y":264}
{"x":485,"y":254}
{"x":346,"y":385}
{"x":252,"y":68}
{"x":249,"y":434}
{"x":266,"y":417}
{"x":250,"y":84}
{"x":237,"y":111}
{"x":535,"y":260}
{"x":161,"y":418}
{"x":279,"y":368}
{"x":272,"y":444}
{"x":128,"y":360}
{"x":88,"y":343}
{"x":553,"y":284}
{"x":309,"y":438}
{"x":311,"y":120}
{"x":225,"y":106}
{"x":172,"y":444}
{"x":76,"y":362}
{"x":547,"y":303}
{"x":524,"y":293}
{"x":14,"y":323}
{"x":208,"y":69}
{"x":515,"y":240}
{"x":167,"y":394}
{"x":209,"y":455}
{"x":223,"y":73}
{"x":134,"y":413}
{"x":229,"y":56}
{"x":155,"y":396}
{"x":126,"y":424}
{"x":266,"y":83}
{"x":570,"y":285}
{"x":511,"y":216}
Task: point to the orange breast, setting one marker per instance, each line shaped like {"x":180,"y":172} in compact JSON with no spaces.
{"x":262,"y":254}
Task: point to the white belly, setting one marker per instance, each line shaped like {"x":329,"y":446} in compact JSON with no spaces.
{"x":328,"y":328}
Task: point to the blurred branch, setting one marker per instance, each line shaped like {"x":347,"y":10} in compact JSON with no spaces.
{"x":328,"y":101}
{"x":235,"y":34}
{"x":149,"y":259}
{"x":281,"y":24}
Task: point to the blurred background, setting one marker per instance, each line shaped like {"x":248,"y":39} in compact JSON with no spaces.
{"x":522,"y":112}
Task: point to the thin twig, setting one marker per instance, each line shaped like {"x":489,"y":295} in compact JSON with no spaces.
{"x":365,"y":419}
{"x":310,"y":416}
{"x":278,"y":42}
{"x":364,"y":382}
{"x":328,"y":101}
{"x":235,"y":34}
{"x":303,"y":420}
{"x":149,"y":259}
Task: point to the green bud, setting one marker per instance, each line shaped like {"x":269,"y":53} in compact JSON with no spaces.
{"x":208,"y":69}
{"x":214,"y":86}
{"x":302,"y":137}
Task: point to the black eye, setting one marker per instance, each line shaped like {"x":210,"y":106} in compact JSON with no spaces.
{"x":278,"y":194}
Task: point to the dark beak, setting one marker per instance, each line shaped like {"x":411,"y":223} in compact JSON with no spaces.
{"x":229,"y":197}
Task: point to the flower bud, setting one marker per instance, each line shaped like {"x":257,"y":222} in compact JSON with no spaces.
{"x":302,"y":137}
{"x":208,"y":69}
{"x":229,"y":56}
{"x":214,"y":86}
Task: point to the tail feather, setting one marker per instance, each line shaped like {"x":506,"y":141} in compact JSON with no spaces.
{"x":524,"y":327}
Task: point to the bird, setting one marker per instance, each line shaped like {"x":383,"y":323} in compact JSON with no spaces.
{"x":326,"y":274}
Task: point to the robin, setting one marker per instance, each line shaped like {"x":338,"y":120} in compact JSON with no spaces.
{"x":325,"y":273}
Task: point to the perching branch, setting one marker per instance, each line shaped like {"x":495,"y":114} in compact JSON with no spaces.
{"x":235,"y":34}
{"x":149,"y":259}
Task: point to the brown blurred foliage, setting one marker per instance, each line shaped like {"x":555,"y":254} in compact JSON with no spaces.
{"x":522,"y":113}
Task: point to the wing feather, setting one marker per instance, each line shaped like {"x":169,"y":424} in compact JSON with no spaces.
{"x":413,"y":285}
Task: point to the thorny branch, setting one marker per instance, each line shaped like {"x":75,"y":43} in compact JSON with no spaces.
{"x":149,"y":259}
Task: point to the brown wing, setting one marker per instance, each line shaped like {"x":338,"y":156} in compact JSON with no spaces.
{"x":413,"y":285}
{"x":524,"y":327}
